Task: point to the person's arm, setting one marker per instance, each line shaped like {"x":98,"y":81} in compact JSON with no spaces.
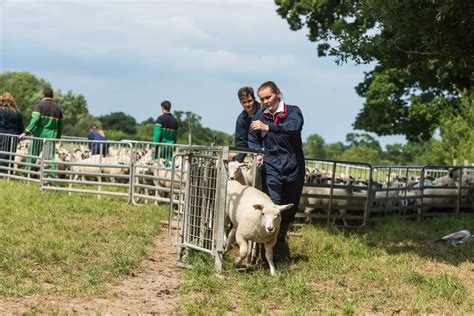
{"x":157,"y":133}
{"x":241,"y":137}
{"x":35,"y":118}
{"x":20,"y":127}
{"x":60,"y":128}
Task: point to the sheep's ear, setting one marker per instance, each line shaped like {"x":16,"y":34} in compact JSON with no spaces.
{"x":258,"y":207}
{"x":284,"y":207}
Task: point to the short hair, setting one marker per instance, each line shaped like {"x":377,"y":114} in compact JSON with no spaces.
{"x":245,"y":92}
{"x":271,"y":85}
{"x":48,"y":92}
{"x":93,"y":126}
{"x":166,"y":105}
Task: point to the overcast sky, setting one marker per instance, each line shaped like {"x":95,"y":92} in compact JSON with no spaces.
{"x":131,"y":55}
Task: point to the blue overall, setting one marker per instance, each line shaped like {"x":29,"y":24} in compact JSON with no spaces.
{"x":283,"y":161}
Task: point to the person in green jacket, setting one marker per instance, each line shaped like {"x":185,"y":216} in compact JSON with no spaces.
{"x":166,"y":131}
{"x":46,"y":122}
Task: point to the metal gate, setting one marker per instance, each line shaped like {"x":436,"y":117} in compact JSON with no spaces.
{"x":200,"y":219}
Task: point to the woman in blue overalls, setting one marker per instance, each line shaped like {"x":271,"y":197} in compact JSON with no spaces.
{"x":276,"y":129}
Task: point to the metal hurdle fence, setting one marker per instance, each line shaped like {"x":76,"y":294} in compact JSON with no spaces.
{"x":20,"y":159}
{"x":453,"y":198}
{"x":393,"y":192}
{"x":336,"y":192}
{"x":83,"y":166}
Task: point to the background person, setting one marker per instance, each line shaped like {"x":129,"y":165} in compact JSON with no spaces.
{"x":96,"y":134}
{"x":250,"y":107}
{"x":277,"y":130}
{"x":11,"y":122}
{"x":46,"y":122}
{"x":166,"y":131}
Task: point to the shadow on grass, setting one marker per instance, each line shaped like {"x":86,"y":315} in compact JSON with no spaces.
{"x":400,"y":236}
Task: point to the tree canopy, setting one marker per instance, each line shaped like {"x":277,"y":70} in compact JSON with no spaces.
{"x":422,"y":51}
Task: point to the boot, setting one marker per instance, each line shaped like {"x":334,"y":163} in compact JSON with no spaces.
{"x":281,"y":251}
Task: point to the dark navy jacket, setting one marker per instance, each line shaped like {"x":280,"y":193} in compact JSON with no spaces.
{"x":11,"y":122}
{"x":96,"y":148}
{"x":282,"y":145}
{"x":242,"y":126}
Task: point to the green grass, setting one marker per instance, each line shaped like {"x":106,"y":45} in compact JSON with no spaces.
{"x":74,"y":245}
{"x":390,"y":267}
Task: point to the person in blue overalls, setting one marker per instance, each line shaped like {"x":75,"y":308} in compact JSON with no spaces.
{"x":276,"y":129}
{"x":242,"y":124}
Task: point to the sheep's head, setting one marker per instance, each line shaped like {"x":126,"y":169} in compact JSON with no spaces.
{"x":235,"y":171}
{"x":271,"y":215}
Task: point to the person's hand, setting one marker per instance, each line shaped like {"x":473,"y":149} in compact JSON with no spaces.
{"x":22,"y":135}
{"x":259,"y":125}
{"x":259,"y":159}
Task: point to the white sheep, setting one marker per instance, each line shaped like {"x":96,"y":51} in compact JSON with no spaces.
{"x":254,"y":218}
{"x":241,"y":172}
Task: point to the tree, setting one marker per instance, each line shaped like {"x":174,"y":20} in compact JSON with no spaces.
{"x":361,"y":153}
{"x":355,"y":139}
{"x":457,"y":134}
{"x":314,"y":147}
{"x":422,"y":51}
{"x":200,"y":135}
{"x":25,"y":88}
{"x":74,"y":109}
{"x":119,"y":121}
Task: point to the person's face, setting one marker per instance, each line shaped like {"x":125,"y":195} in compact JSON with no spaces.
{"x":269,"y":99}
{"x":248,"y":103}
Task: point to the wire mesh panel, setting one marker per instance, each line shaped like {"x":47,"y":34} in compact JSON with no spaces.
{"x":335,"y":192}
{"x":96,"y":167}
{"x":201,"y":218}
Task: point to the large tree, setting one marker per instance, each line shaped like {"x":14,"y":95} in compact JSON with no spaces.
{"x":422,"y":51}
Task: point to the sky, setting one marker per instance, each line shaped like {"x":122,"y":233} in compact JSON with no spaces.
{"x":129,"y":56}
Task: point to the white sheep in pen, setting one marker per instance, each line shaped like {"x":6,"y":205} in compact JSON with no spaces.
{"x":254,"y":218}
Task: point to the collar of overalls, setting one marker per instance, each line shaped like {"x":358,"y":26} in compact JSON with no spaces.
{"x":279,"y":114}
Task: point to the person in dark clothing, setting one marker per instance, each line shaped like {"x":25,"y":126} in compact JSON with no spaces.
{"x":97,"y":148}
{"x":166,"y":131}
{"x":276,"y":129}
{"x":11,"y":122}
{"x":242,"y":124}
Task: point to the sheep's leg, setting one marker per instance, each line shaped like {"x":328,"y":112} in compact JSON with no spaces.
{"x":343,"y":213}
{"x":230,"y":238}
{"x":269,"y":255}
{"x":243,"y":250}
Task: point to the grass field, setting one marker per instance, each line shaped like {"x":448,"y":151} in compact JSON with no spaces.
{"x":392,"y":267}
{"x":74,"y":245}
{"x":69,"y":244}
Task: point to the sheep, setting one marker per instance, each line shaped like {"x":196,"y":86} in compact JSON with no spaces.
{"x":340,"y":204}
{"x":254,"y":218}
{"x":96,"y":159}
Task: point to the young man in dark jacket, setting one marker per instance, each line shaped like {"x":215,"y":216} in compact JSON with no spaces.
{"x":242,"y":124}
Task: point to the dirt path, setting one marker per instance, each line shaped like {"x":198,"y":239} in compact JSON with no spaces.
{"x":152,"y":290}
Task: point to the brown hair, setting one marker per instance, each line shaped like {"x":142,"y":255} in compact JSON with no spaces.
{"x":48,"y":92}
{"x":271,"y":85}
{"x":166,"y":105}
{"x":245,"y":92}
{"x":8,"y":101}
